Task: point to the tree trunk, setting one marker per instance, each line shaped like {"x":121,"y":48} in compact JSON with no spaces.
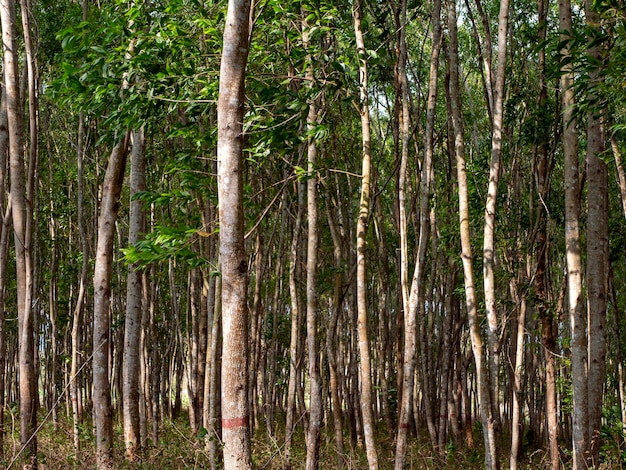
{"x":416,"y":294}
{"x":597,"y":242}
{"x":134,"y":307}
{"x":482,"y":376}
{"x":365,"y":372}
{"x":21,"y":224}
{"x":111,"y":190}
{"x":230,"y":111}
{"x":573,"y":255}
{"x":295,"y":326}
{"x":516,"y":423}
{"x":489,"y":249}
{"x":4,"y":254}
{"x":313,"y":435}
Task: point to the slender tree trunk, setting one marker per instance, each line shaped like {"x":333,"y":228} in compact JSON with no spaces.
{"x":482,"y":376}
{"x":103,"y":413}
{"x":331,"y":342}
{"x":573,"y":254}
{"x":546,"y":317}
{"x":489,"y":249}
{"x":516,"y":423}
{"x":621,"y":177}
{"x":365,"y":372}
{"x":80,"y":301}
{"x":230,"y":111}
{"x":134,"y":307}
{"x":214,"y":428}
{"x":597,"y":265}
{"x":20,"y":214}
{"x":316,"y":407}
{"x":313,"y":435}
{"x":4,"y":254}
{"x":405,"y":374}
{"x":416,"y":295}
{"x":295,"y":326}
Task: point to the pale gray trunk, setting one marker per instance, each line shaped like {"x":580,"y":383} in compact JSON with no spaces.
{"x":516,"y":423}
{"x":578,"y":320}
{"x":489,"y":249}
{"x":230,"y":113}
{"x":84,"y":273}
{"x":5,"y":212}
{"x":597,"y":243}
{"x":20,"y":215}
{"x":365,"y":372}
{"x":482,"y":376}
{"x":134,"y":307}
{"x":111,"y":190}
{"x":295,"y":324}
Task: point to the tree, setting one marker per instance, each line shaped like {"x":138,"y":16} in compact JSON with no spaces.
{"x":572,"y":244}
{"x":230,"y":111}
{"x":103,"y":413}
{"x":365,"y":372}
{"x":134,"y":305}
{"x":22,"y":225}
{"x":484,"y":399}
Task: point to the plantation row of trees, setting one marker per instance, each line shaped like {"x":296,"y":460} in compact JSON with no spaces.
{"x":331,"y":229}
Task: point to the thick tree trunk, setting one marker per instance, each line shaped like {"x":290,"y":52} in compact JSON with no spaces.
{"x":230,"y":111}
{"x":111,"y":190}
{"x":365,"y":372}
{"x":134,"y":307}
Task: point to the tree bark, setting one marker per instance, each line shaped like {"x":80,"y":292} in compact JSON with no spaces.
{"x":573,"y":254}
{"x":489,"y":249}
{"x":20,"y":216}
{"x":134,"y":304}
{"x":294,"y":340}
{"x":365,"y":372}
{"x":597,"y":242}
{"x":230,"y":111}
{"x":482,"y":377}
{"x":111,"y":190}
{"x":416,"y":294}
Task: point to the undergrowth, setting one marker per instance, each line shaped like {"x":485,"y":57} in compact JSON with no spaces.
{"x":178,"y":448}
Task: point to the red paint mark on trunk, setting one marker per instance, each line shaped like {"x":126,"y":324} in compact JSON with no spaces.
{"x":234,"y":422}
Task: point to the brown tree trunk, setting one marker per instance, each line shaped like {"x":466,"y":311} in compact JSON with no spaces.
{"x":230,"y":111}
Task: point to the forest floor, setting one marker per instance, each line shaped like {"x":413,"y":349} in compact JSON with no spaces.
{"x":179,"y":449}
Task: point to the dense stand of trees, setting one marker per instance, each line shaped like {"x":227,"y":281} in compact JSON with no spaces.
{"x":268,"y":217}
